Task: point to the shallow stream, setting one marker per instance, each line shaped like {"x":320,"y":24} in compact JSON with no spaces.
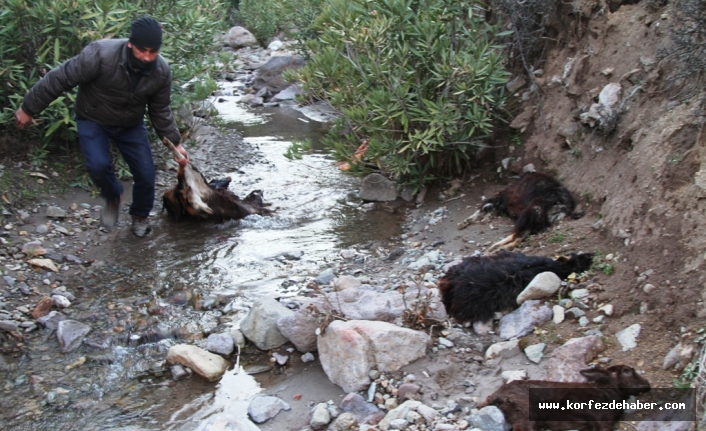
{"x":188,"y":279}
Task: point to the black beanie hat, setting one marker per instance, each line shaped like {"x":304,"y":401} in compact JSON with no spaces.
{"x":146,"y":32}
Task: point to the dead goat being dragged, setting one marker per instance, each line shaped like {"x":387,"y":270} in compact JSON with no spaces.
{"x":194,"y":197}
{"x":535,"y":202}
{"x":476,"y":288}
{"x":519,"y":400}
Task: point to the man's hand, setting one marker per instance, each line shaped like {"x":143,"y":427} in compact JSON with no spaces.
{"x":22,"y":119}
{"x":185,"y":160}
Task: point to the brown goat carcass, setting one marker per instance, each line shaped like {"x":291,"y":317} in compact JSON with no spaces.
{"x":520,"y":400}
{"x":535,"y":202}
{"x":194,"y":197}
{"x":481,"y":285}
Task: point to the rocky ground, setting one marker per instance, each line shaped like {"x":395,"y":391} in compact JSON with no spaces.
{"x":640,"y":304}
{"x":56,"y":242}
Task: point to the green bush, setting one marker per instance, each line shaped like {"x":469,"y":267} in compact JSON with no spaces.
{"x":420,"y":79}
{"x":265,"y":18}
{"x":37,"y":36}
{"x":261,"y":17}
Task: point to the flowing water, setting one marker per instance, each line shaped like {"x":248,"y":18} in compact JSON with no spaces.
{"x":192,"y":278}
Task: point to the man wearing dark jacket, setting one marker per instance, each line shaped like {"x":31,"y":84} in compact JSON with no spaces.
{"x":116,"y":79}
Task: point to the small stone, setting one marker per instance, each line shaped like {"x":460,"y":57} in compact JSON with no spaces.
{"x":607,"y":309}
{"x":446,"y":343}
{"x":55,"y":212}
{"x":280,"y":359}
{"x":628,"y":336}
{"x":60,"y":301}
{"x":535,"y":352}
{"x":42,"y":308}
{"x":559,"y":313}
{"x":512,"y":375}
{"x":320,"y":416}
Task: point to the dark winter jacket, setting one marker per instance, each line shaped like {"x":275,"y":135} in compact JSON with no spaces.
{"x":105,"y":90}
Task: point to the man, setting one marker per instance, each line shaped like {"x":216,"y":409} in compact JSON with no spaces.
{"x":116,"y":79}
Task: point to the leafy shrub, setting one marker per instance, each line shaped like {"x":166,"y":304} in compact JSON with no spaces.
{"x":419,"y":79}
{"x":264,"y":18}
{"x":261,"y":18}
{"x":37,"y":36}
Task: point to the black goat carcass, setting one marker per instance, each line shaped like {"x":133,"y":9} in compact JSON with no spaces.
{"x":535,"y":201}
{"x":193,"y":197}
{"x":519,"y":400}
{"x":481,"y":285}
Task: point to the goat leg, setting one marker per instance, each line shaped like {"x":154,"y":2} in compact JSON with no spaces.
{"x":177,"y":155}
{"x":508,"y":243}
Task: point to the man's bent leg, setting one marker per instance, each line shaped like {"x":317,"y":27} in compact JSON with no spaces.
{"x":134,"y":145}
{"x":95,"y":146}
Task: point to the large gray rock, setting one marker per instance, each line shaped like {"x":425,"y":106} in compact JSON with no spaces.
{"x":260,"y":325}
{"x":349,"y":350}
{"x":300,"y":327}
{"x":523,"y":320}
{"x":269,"y":75}
{"x":567,"y":361}
{"x":377,"y":188}
{"x":70,"y":334}
{"x":205,"y":364}
{"x":353,"y":304}
{"x":239,"y":37}
{"x":264,"y":408}
{"x":288,"y":93}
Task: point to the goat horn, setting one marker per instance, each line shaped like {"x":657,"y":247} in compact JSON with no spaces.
{"x":177,"y":155}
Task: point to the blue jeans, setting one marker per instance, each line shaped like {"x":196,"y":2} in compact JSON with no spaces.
{"x":134,"y":145}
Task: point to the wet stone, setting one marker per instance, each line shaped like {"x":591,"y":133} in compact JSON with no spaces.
{"x":221,"y":344}
{"x":70,"y":334}
{"x":51,"y":320}
{"x":320,"y":416}
{"x":24,"y":289}
{"x":264,"y":408}
{"x":179,"y":372}
{"x":60,"y":301}
{"x":280,"y":359}
{"x":325,"y":277}
{"x":63,"y":293}
{"x":8,"y":325}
